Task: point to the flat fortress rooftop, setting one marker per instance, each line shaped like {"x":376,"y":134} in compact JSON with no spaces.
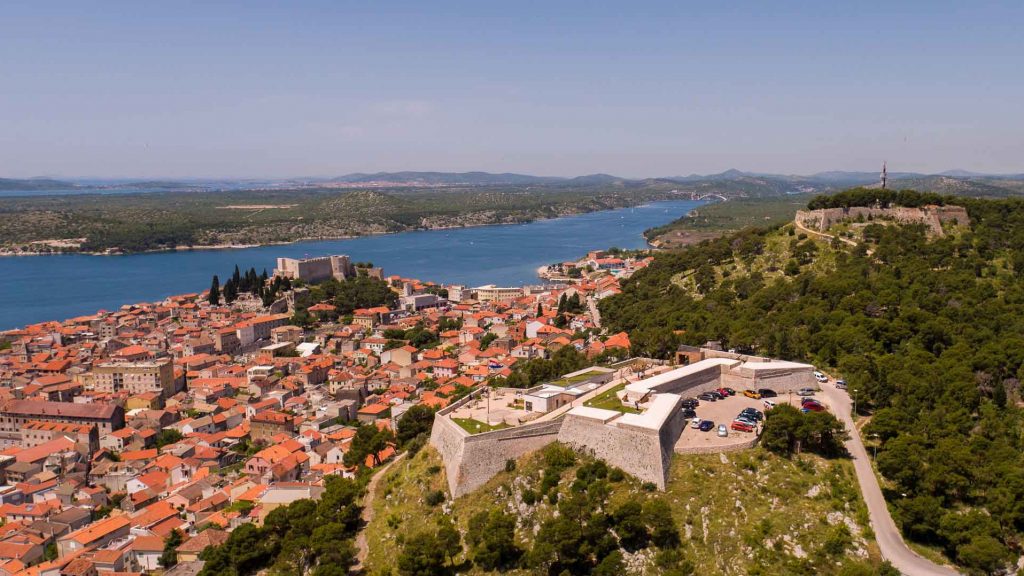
{"x":599,"y":414}
{"x":776,"y":365}
{"x":641,"y":387}
{"x":659,"y":410}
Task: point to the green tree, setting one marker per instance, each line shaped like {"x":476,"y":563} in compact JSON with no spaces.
{"x":422,"y":555}
{"x":449,"y":539}
{"x":417,"y":420}
{"x":168,"y":436}
{"x":169,"y":556}
{"x":491,"y":538}
{"x":368,"y":441}
{"x":214,"y":295}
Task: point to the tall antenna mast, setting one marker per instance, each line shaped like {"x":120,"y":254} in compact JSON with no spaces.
{"x":884,"y":175}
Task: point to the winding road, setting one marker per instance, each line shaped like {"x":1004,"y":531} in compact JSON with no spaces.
{"x":888,"y":536}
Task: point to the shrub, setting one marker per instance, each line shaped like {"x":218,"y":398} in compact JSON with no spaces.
{"x":434,"y":497}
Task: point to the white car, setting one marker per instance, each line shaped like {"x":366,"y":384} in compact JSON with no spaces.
{"x":841,"y":384}
{"x":695,"y":423}
{"x":820,"y":377}
{"x":723,"y":431}
{"x":768,"y":404}
{"x":805,"y":392}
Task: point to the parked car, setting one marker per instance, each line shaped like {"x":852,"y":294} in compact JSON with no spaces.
{"x":706,"y":425}
{"x":813,"y":408}
{"x":768,"y":404}
{"x":820,"y":377}
{"x":718,"y":395}
{"x":753,"y":413}
{"x":730,"y":391}
{"x":752,"y":394}
{"x":689,"y":413}
{"x":745,"y":420}
{"x":841,"y":384}
{"x":724,"y":392}
{"x":690,"y":403}
{"x":722,"y":431}
{"x":767,"y":393}
{"x":708,"y":397}
{"x":805,"y":392}
{"x":806,"y":401}
{"x":742,"y":426}
{"x":695,"y":423}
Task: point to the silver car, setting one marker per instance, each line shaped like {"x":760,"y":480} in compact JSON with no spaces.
{"x":723,"y":431}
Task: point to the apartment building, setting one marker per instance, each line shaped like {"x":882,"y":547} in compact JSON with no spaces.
{"x":135,"y":377}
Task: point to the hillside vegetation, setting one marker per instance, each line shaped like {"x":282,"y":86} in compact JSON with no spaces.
{"x":136,"y":222}
{"x":929,"y":334}
{"x":552,"y":511}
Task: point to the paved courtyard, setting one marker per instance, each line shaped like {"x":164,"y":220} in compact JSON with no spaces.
{"x":496,"y":407}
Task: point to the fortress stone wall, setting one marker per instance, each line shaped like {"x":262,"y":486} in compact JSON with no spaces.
{"x":470,"y":460}
{"x":933,"y":217}
{"x":640,"y":444}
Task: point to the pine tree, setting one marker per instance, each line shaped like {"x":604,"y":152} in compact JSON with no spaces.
{"x":237,"y":276}
{"x":540,"y":310}
{"x":214,"y":296}
{"x":230,"y":291}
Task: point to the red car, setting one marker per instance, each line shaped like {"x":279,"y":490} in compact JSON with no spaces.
{"x":725,"y":392}
{"x":741,"y":426}
{"x":813,"y":407}
{"x":806,"y":401}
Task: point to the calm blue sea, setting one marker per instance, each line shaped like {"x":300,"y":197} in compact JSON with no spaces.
{"x":38,"y":288}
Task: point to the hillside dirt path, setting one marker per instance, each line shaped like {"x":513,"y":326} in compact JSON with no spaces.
{"x":362,"y":546}
{"x":829,"y":237}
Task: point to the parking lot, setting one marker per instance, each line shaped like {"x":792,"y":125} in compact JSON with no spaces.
{"x":720,"y":412}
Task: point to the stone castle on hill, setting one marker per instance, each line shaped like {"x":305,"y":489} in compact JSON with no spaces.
{"x":933,"y":217}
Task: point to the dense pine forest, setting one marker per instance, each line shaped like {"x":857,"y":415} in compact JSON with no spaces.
{"x":927,"y":331}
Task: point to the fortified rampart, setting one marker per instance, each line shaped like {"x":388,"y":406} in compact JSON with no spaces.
{"x":470,"y":460}
{"x":933,"y":217}
{"x":640,"y":444}
{"x":727,"y":369}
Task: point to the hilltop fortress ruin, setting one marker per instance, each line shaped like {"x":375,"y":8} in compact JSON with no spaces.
{"x":641,"y":444}
{"x":932,"y":217}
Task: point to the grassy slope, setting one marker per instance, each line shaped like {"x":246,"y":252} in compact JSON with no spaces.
{"x":749,"y":513}
{"x":722,"y":217}
{"x":771,"y":262}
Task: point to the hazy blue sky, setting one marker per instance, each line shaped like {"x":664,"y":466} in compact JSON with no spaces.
{"x":273,"y":89}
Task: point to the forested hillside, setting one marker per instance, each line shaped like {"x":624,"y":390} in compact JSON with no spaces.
{"x":928,"y":333}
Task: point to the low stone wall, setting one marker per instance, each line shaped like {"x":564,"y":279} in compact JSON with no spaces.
{"x":716,"y":449}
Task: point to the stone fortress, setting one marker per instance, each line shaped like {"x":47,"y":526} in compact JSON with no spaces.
{"x":933,"y":217}
{"x":640,"y":444}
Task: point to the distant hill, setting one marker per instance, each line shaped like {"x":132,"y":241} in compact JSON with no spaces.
{"x":447,"y":178}
{"x":989,"y":186}
{"x":731,"y":183}
{"x":34,"y":184}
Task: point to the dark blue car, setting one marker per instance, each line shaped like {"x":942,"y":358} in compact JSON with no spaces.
{"x":706,"y":425}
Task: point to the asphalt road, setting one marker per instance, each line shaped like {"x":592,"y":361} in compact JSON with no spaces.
{"x":888,"y":536}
